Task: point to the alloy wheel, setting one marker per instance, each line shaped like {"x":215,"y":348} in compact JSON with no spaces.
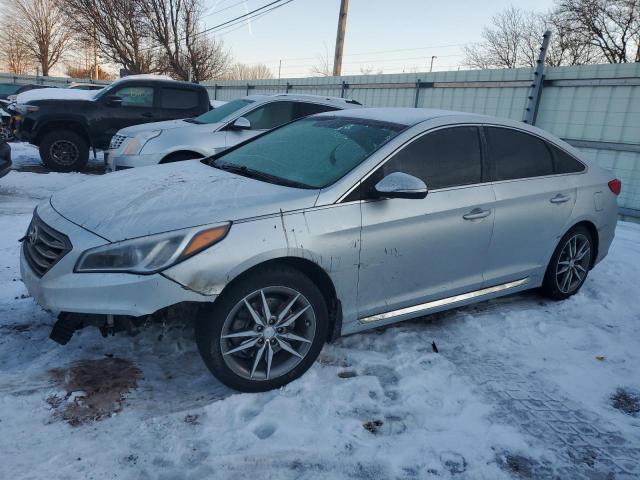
{"x":573,"y":263}
{"x":268,"y":333}
{"x":64,"y":152}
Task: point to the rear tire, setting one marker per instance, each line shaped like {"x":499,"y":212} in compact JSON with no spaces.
{"x":226,"y":327}
{"x":569,"y":266}
{"x":64,"y":151}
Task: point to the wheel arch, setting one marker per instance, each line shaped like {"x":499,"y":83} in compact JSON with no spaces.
{"x":317,"y":275}
{"x":54,"y":125}
{"x":593,"y":230}
{"x":171,"y":156}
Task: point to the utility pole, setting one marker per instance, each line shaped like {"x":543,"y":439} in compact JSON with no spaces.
{"x":342,"y":27}
{"x":279,"y":69}
{"x":433,"y":57}
{"x":95,"y":54}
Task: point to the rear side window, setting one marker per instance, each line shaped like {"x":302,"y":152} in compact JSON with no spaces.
{"x":177,"y":98}
{"x":305,"y":109}
{"x":565,"y":163}
{"x":515,"y":154}
{"x":445,"y":158}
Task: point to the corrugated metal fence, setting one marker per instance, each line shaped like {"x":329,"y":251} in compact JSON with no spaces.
{"x":594,"y":107}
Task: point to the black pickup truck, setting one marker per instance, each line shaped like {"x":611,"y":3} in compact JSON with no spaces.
{"x":66,"y":123}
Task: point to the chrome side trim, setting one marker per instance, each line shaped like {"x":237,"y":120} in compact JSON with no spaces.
{"x":423,"y":307}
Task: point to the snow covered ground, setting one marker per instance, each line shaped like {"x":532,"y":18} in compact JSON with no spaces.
{"x":521,"y":388}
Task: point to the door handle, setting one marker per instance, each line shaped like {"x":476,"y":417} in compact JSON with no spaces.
{"x":559,"y":198}
{"x":147,"y":114}
{"x":477,"y":213}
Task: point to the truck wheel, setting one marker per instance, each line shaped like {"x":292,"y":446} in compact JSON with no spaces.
{"x":64,"y":151}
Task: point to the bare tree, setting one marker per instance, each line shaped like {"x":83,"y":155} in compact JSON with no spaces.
{"x":502,"y":42}
{"x":323,"y":67}
{"x":567,"y":45}
{"x":75,"y":71}
{"x":514,"y":38}
{"x":14,"y":53}
{"x":613,"y":26}
{"x":41,"y":29}
{"x":120,"y":29}
{"x":175,"y":26}
{"x":242,"y":71}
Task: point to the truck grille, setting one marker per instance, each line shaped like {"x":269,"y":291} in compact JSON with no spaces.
{"x":43,"y":246}
{"x":116,"y":141}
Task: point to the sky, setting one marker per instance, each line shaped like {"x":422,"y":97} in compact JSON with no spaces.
{"x":382,"y":35}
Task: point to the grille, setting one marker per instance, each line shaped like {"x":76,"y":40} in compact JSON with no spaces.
{"x":43,"y":246}
{"x":116,"y":141}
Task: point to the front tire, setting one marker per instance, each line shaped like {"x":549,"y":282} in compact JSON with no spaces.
{"x":569,"y":265}
{"x":64,"y":151}
{"x":264,"y":331}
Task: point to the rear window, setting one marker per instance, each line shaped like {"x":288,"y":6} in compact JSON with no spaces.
{"x":8,"y":89}
{"x":515,"y":154}
{"x":177,"y":98}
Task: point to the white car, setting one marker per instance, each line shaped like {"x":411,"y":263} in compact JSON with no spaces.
{"x":214,"y":131}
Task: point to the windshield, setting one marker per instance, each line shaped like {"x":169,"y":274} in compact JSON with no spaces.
{"x":8,"y":89}
{"x":313,"y":152}
{"x":223,"y":111}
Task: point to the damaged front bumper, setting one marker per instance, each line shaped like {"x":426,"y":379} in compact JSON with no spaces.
{"x":60,"y":289}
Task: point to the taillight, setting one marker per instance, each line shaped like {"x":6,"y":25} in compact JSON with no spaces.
{"x":615,"y":186}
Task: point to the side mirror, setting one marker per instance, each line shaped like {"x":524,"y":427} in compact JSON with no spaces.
{"x":241,"y":124}
{"x":114,"y":101}
{"x":400,"y":185}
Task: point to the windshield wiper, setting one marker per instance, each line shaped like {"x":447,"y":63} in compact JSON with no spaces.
{"x":258,"y":175}
{"x":192,"y":120}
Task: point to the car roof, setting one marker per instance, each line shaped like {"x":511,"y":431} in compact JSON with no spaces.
{"x":323,"y":99}
{"x":406,"y":116}
{"x":414,"y":116}
{"x":156,"y":78}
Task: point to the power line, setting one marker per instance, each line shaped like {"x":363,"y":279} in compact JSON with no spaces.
{"x":247,"y":16}
{"x":428,"y":47}
{"x":234,"y":21}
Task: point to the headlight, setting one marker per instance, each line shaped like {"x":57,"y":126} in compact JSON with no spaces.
{"x":146,"y":255}
{"x":136,"y":144}
{"x":23,"y":108}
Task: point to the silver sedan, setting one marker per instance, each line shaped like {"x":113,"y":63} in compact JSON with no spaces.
{"x":330,"y":225}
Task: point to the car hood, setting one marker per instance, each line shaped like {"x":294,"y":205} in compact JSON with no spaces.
{"x":146,"y":127}
{"x":148,"y":200}
{"x":55,"y":94}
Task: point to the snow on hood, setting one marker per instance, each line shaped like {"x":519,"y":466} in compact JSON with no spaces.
{"x":146,"y":127}
{"x":148,"y":200}
{"x":55,"y":94}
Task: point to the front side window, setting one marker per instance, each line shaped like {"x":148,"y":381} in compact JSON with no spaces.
{"x":271,"y":115}
{"x":450,"y":157}
{"x":310,"y":153}
{"x":514,"y":154}
{"x":222,"y":112}
{"x":136,"y":96}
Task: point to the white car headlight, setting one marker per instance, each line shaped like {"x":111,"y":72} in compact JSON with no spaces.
{"x":23,"y":108}
{"x":151,"y":254}
{"x":137,"y":143}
